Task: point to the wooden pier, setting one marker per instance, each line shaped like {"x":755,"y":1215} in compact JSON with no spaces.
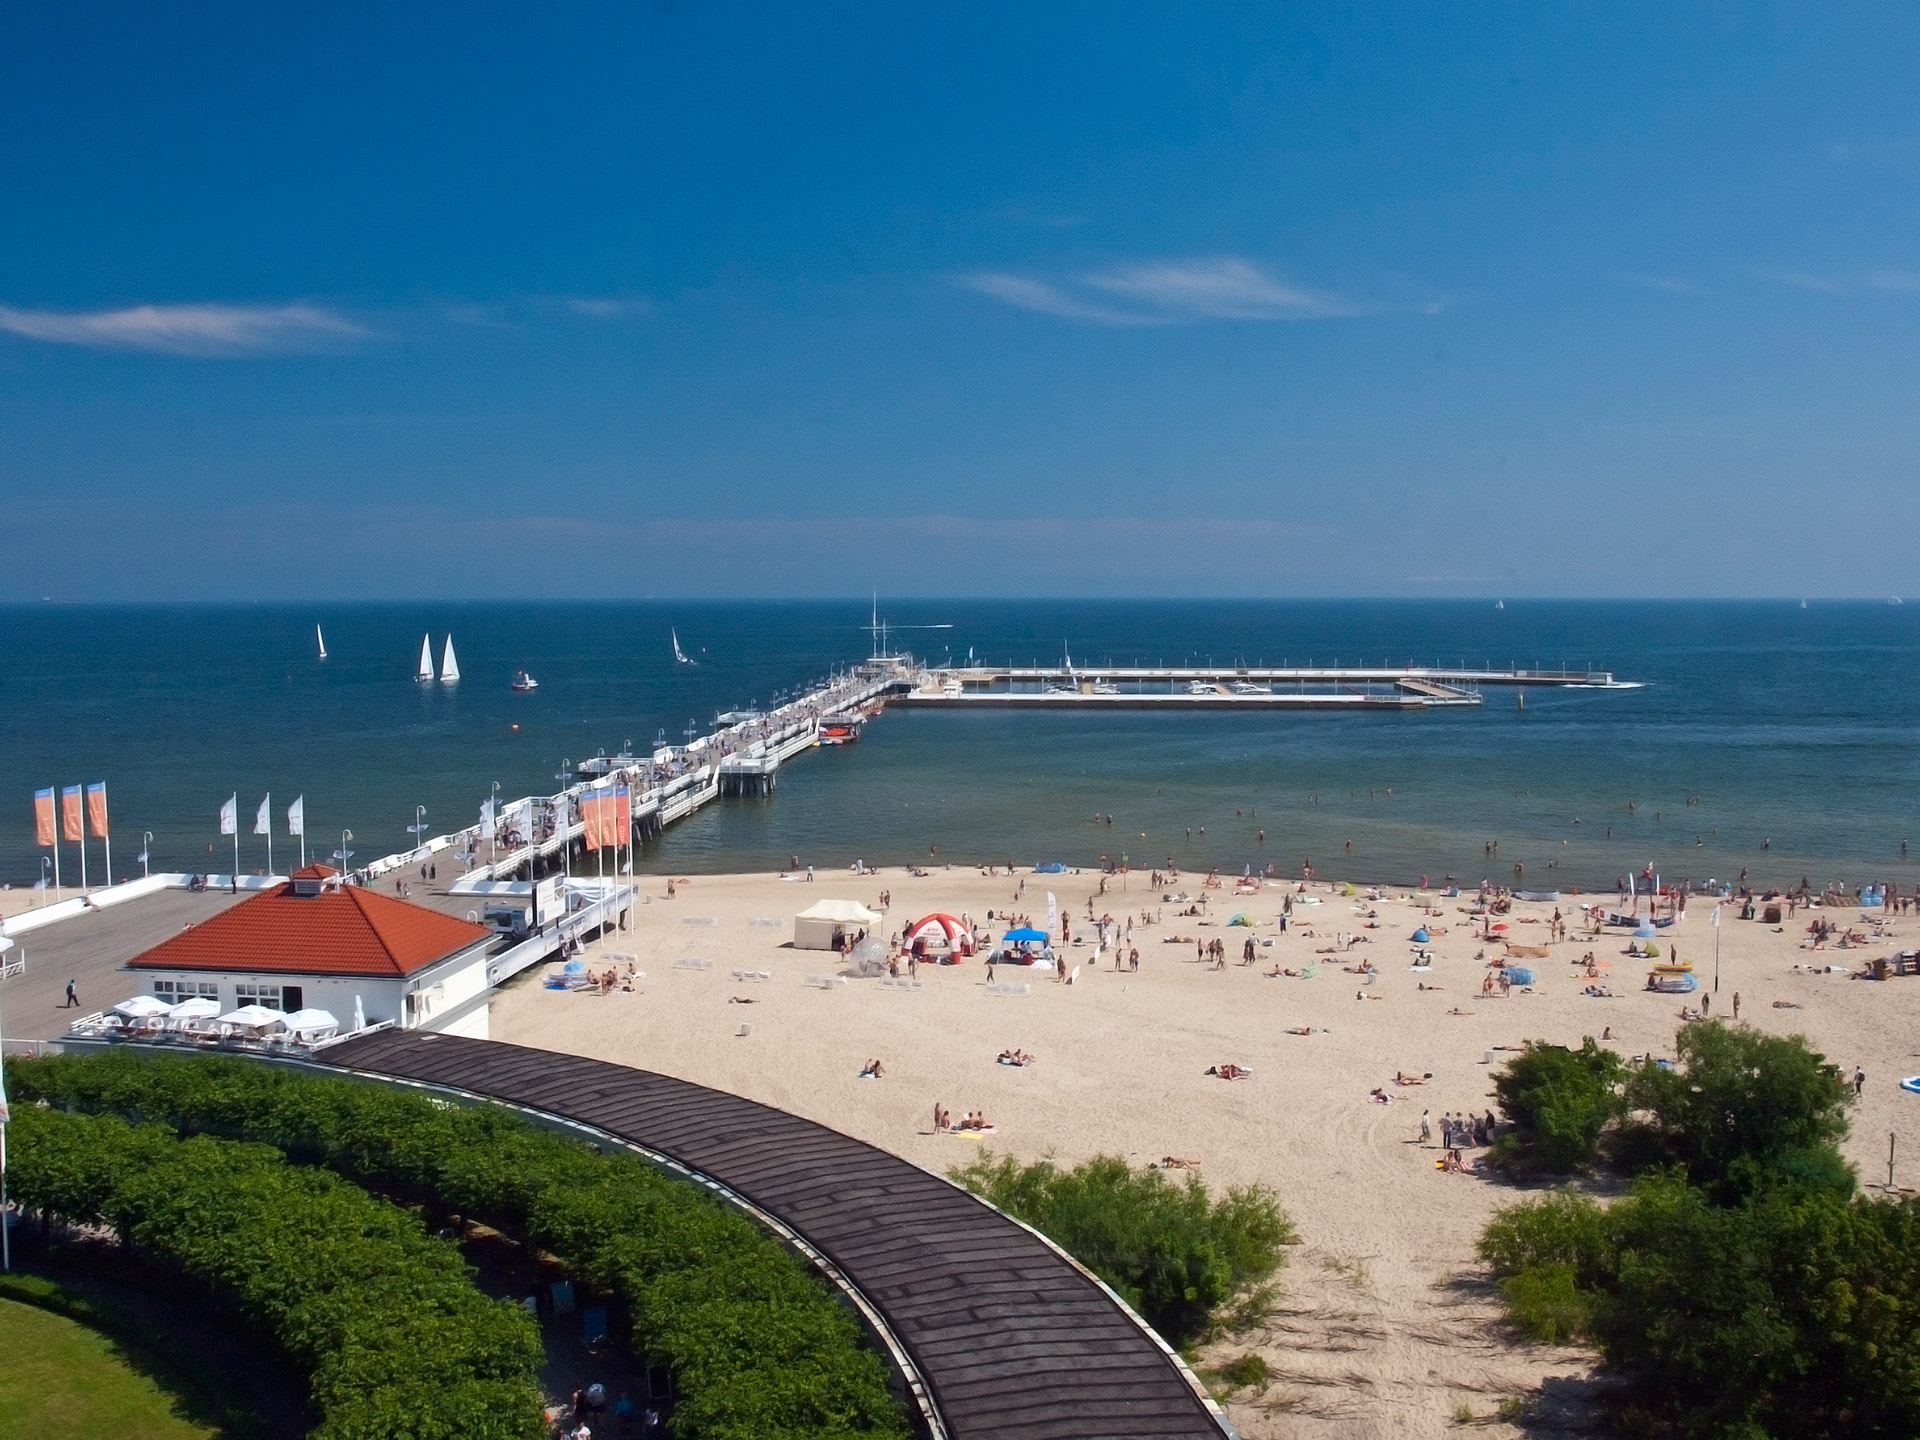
{"x":1314,"y":687}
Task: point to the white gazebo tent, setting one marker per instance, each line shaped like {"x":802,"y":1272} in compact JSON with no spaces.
{"x":192,"y":1015}
{"x":815,"y":927}
{"x":312,"y":1024}
{"x":252,"y":1020}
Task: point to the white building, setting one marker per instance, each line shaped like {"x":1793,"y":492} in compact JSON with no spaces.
{"x":313,"y":943}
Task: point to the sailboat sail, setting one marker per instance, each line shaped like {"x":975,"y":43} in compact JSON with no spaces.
{"x":449,"y":667}
{"x":678,"y":653}
{"x":425,"y":670}
{"x":323,"y":641}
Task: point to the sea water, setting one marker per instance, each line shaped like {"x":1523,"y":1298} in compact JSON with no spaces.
{"x":1766,"y":737}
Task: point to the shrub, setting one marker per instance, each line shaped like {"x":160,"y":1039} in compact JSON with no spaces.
{"x":1558,"y":1102}
{"x":1169,"y":1250}
{"x":756,"y":1344}
{"x":1566,"y":1229}
{"x":1547,"y":1303}
{"x":1738,"y":1288}
{"x":394,"y":1339}
{"x":1248,"y":1371}
{"x":1742,"y":1109}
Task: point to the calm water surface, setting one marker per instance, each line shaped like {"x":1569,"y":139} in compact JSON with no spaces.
{"x":1799,"y":726}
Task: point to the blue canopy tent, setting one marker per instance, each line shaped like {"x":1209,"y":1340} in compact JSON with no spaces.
{"x":1024,"y":946}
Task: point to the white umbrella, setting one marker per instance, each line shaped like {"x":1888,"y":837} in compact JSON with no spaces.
{"x":200,"y":1007}
{"x":308,"y":1022}
{"x":141,"y":1007}
{"x":253,"y":1017}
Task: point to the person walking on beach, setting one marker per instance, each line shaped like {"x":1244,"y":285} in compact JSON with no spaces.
{"x":1859,"y":1080}
{"x":1736,"y":1004}
{"x":73,"y":998}
{"x":809,"y":874}
{"x":1426,"y":1127}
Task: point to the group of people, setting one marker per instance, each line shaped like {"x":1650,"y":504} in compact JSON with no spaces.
{"x":943,"y":1122}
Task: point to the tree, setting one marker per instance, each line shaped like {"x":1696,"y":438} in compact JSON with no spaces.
{"x":1558,"y":1102}
{"x":1742,"y":1109}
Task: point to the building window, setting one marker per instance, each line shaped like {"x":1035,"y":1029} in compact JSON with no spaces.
{"x":267,"y":996}
{"x":174,"y":991}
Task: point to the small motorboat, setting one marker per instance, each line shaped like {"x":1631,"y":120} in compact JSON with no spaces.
{"x":1200,"y":687}
{"x":524,"y":682}
{"x":1247,"y":687}
{"x":1105,"y":687}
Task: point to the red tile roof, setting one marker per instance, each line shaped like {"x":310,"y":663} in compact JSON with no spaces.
{"x":315,"y":871}
{"x":345,"y":931}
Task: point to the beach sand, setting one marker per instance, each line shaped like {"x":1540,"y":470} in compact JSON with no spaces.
{"x":1385,"y":1324}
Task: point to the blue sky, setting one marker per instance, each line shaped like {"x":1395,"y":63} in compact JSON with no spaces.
{"x":693,"y":298}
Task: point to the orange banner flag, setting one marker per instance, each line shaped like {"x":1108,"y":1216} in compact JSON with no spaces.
{"x":590,"y":818}
{"x":70,"y":813}
{"x":97,"y":809}
{"x":43,"y":817}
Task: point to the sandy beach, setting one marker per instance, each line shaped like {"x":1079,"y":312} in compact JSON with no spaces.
{"x":1384,"y":1326}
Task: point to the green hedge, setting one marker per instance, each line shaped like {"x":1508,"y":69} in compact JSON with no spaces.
{"x":1171,"y":1251}
{"x":395,"y":1340}
{"x":759,"y":1348}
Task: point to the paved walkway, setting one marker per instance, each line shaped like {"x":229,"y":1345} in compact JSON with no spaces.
{"x":1012,"y":1341}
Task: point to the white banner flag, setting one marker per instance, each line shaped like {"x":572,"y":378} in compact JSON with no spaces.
{"x":486,"y":814}
{"x":1716,"y":917}
{"x":230,"y":815}
{"x":1053,"y":912}
{"x":263,"y":818}
{"x":297,"y":817}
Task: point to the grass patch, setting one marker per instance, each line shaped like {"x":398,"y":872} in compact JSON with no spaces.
{"x":61,"y":1376}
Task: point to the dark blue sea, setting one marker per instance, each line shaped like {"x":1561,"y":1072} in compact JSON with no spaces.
{"x":1758,"y":722}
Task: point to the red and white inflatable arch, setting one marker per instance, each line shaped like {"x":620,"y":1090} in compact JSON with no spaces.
{"x":937,"y":927}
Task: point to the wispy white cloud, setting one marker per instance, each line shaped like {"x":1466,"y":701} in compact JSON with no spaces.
{"x":609,"y":307}
{"x":1863,"y":282}
{"x":199,"y":330}
{"x":1168,"y":292}
{"x":1637,"y":281}
{"x":1048,"y":299}
{"x":1226,"y":288}
{"x":1902,"y":152}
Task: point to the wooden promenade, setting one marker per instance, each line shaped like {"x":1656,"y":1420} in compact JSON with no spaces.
{"x":999,"y":1335}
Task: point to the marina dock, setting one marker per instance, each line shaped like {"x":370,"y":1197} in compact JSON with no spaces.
{"x":1225,"y":688}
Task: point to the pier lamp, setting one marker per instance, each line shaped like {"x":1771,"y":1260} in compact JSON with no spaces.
{"x":343,"y":854}
{"x":146,"y":849}
{"x":419,"y":827}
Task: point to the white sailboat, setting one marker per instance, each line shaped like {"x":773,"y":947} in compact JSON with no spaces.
{"x":424,"y":672}
{"x":449,"y":667}
{"x":323,"y":641}
{"x":678,"y":653}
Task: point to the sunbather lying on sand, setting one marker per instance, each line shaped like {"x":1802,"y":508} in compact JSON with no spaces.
{"x":1015,"y":1057}
{"x":1787,"y":1005}
{"x":1379,"y":1096}
{"x":1306,"y":1030}
{"x":1176,"y":1162}
{"x":872,"y":1070}
{"x":1599,"y":992}
{"x":1229,"y":1071}
{"x":1401,"y":1079}
{"x":742,"y":1000}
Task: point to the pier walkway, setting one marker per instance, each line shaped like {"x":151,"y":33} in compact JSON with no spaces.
{"x":999,"y":1334}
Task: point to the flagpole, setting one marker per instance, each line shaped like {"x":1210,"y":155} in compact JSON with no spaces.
{"x":54,"y":794}
{"x":83,"y":839}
